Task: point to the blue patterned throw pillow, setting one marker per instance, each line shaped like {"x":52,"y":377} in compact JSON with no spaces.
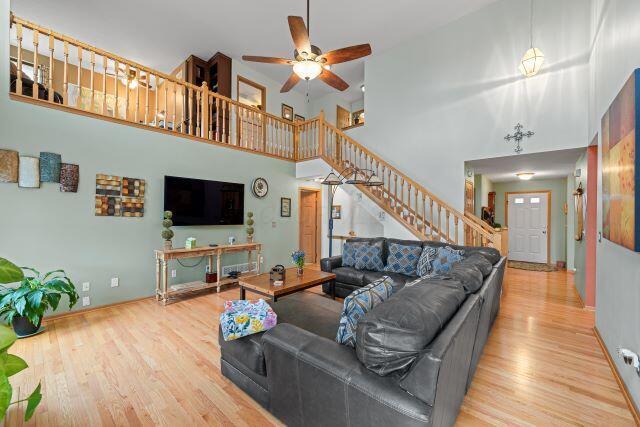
{"x":443,"y":260}
{"x":424,"y":263}
{"x":369,"y":257}
{"x":349,"y":253}
{"x":403,"y":259}
{"x":359,"y":303}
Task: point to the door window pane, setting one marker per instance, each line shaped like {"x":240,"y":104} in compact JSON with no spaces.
{"x":519,"y":200}
{"x":535,"y":200}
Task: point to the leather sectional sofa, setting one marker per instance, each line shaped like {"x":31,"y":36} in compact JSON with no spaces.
{"x":300,"y":373}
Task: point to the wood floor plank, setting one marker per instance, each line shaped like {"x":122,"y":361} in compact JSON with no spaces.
{"x":141,"y":364}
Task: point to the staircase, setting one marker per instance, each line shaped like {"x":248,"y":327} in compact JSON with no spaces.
{"x":86,"y":80}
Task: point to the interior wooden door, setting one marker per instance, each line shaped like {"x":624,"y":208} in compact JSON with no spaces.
{"x":469,"y":204}
{"x":310,"y":222}
{"x":343,"y":117}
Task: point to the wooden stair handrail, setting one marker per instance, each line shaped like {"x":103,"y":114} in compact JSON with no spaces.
{"x":486,"y":233}
{"x":480,"y":222}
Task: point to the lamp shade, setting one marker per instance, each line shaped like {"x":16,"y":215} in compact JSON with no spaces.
{"x":307,"y":69}
{"x":531,"y":62}
{"x":374,"y":181}
{"x":331,"y":179}
{"x":357,"y":178}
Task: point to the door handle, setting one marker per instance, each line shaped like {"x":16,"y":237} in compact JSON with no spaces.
{"x":544,"y":231}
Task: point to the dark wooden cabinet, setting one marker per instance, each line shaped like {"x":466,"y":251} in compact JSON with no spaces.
{"x":217,"y":73}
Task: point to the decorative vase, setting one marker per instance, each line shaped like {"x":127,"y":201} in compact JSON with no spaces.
{"x":23,"y":326}
{"x":300,"y":271}
{"x":167,"y":245}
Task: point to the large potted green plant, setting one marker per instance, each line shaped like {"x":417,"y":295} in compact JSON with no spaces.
{"x":24,"y":306}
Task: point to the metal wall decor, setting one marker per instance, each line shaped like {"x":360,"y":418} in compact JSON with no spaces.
{"x":518,"y":136}
{"x":119,"y":196}
{"x":260,"y":188}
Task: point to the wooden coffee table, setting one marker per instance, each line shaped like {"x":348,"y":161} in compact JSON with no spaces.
{"x":261,"y":284}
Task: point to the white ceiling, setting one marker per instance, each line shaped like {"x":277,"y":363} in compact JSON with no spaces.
{"x":161,"y":33}
{"x":547,"y":165}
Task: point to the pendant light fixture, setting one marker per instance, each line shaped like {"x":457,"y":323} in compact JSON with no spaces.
{"x":533,"y":58}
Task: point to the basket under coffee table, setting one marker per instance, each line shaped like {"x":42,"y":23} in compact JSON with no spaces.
{"x":261,"y":284}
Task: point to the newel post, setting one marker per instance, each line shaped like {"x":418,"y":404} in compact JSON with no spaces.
{"x":205,"y":111}
{"x":321,"y":134}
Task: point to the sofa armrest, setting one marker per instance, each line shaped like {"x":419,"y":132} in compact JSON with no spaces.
{"x":328,"y":264}
{"x":314,"y":378}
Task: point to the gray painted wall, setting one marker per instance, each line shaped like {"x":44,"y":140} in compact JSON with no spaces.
{"x":558,"y":188}
{"x":615,"y":55}
{"x":48,"y":229}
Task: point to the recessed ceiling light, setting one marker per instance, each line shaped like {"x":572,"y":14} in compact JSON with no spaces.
{"x":525,"y":176}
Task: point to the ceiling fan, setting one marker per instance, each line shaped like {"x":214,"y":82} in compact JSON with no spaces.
{"x":309,"y":62}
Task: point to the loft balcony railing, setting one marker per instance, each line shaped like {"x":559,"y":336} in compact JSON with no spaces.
{"x":58,"y":71}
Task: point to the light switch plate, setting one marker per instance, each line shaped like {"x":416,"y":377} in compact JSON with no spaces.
{"x":86,"y":301}
{"x":115,"y":282}
{"x":86,"y":286}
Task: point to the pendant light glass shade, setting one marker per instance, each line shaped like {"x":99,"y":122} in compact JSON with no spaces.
{"x":531,"y":62}
{"x":357,"y":178}
{"x":331,"y":179}
{"x":307,"y":69}
{"x":374,"y":181}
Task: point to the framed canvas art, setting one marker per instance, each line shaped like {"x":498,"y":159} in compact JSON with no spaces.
{"x":620,"y":166}
{"x":285,"y":207}
{"x":287,"y":112}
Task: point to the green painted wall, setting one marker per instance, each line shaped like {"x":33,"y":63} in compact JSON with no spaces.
{"x":558,"y":189}
{"x":47,"y":229}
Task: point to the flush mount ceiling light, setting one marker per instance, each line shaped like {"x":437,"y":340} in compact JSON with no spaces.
{"x":533,"y":58}
{"x":525,"y":176}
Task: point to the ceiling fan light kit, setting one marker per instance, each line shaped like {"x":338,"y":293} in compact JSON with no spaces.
{"x":309,"y":62}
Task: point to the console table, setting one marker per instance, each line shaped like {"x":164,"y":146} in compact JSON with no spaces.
{"x":164,"y":291}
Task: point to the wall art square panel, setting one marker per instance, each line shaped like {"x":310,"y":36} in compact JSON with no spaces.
{"x":9,"y":161}
{"x":108,"y":185}
{"x":133,"y":187}
{"x":29,"y":172}
{"x":620,"y":167}
{"x":50,"y":167}
{"x":108,"y":206}
{"x":69,"y":177}
{"x":133,"y":207}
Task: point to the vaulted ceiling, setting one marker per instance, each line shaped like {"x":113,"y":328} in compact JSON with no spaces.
{"x":161,"y":33}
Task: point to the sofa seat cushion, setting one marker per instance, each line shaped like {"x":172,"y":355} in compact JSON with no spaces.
{"x":359,"y":303}
{"x":403,"y":258}
{"x":349,"y":275}
{"x":309,"y":311}
{"x":399,"y":280}
{"x":393,"y":334}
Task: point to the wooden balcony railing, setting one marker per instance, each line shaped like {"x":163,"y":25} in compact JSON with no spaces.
{"x":77,"y":77}
{"x":52,"y":68}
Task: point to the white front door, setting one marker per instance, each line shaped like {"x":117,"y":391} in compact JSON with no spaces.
{"x":528,"y":227}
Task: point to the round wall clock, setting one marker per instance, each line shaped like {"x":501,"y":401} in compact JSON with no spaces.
{"x":260,"y":188}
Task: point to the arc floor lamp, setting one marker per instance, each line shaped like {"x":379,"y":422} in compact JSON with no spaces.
{"x":350,"y":175}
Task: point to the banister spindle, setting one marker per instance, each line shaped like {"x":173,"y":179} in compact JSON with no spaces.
{"x":79,"y":98}
{"x":455,"y":222}
{"x":19,"y":60}
{"x":127,"y":73}
{"x":136,"y":113}
{"x":447,"y":215}
{"x":34,"y":87}
{"x":105,"y":63}
{"x":439,"y":221}
{"x":65,"y":76}
{"x":116,"y":72}
{"x":51,"y":91}
{"x":165,"y":83}
{"x":92,"y":86}
{"x":174,"y":87}
{"x":146,"y":96}
{"x":155,"y":99}
{"x":198,"y":102}
{"x":183,"y":97}
{"x":431,"y":226}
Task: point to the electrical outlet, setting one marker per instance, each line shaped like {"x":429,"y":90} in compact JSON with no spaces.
{"x":115,"y":282}
{"x":273,"y":224}
{"x":86,"y":286}
{"x":86,"y":301}
{"x":173,"y":273}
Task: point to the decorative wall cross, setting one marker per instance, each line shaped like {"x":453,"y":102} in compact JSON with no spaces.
{"x":518,"y":136}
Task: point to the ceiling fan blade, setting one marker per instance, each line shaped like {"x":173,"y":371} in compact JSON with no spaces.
{"x":333,"y":80}
{"x":299,"y":34}
{"x":290,"y":83}
{"x":266,"y":59}
{"x":347,"y":54}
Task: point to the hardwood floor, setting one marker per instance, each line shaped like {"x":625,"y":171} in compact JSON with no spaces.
{"x":143,"y":364}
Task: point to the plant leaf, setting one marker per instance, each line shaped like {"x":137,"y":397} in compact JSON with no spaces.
{"x":36,"y":272}
{"x":51,"y":273}
{"x":20,"y":304}
{"x":35,"y":298}
{"x":7,"y":337}
{"x":32,"y":402}
{"x":13,"y":364}
{"x":54,"y":300}
{"x":5,"y":394}
{"x":9,"y":272}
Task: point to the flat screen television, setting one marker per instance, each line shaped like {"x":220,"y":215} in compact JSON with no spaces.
{"x":202,"y":202}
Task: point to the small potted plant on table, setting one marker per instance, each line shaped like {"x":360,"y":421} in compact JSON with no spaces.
{"x":298,"y":260}
{"x":25,"y":305}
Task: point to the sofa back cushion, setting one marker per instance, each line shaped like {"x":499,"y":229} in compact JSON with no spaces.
{"x":393,"y":334}
{"x":358,"y":304}
{"x":491,"y":254}
{"x":369,"y":257}
{"x":403,"y":258}
{"x":471,"y":272}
